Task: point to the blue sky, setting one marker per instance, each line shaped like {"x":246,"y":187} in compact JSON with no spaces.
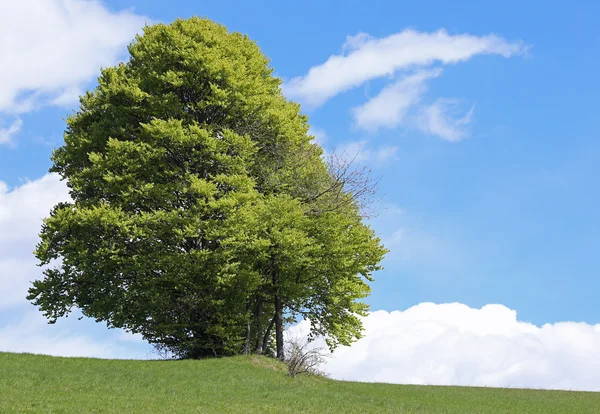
{"x":485,"y":135}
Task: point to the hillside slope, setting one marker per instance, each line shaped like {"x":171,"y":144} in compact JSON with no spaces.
{"x":249,"y":384}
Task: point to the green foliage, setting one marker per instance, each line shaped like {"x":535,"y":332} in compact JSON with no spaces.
{"x":243,"y":384}
{"x":202,"y":214}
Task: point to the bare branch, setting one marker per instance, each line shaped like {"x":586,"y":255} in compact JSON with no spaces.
{"x":301,"y":358}
{"x":351,"y":183}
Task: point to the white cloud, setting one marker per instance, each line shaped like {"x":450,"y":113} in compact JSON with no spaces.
{"x":26,"y":330}
{"x":51,"y":48}
{"x":68,"y":97}
{"x":390,"y":106}
{"x":367,"y":58}
{"x":360,"y":151}
{"x":21,"y":212}
{"x":453,"y":344}
{"x":356,"y":42}
{"x":320,"y":135}
{"x":33,"y":334}
{"x":440,"y":119}
{"x":7,"y":134}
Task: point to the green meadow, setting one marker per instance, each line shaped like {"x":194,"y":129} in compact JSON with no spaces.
{"x":243,"y":384}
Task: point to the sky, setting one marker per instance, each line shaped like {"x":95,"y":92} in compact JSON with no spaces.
{"x":480,"y":119}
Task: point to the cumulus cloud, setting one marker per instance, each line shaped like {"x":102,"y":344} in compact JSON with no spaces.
{"x":7,"y":134}
{"x":367,"y":58}
{"x":51,"y":48}
{"x":32,"y":333}
{"x":22,"y":328}
{"x":21,"y":212}
{"x":453,"y":344}
{"x":390,"y":106}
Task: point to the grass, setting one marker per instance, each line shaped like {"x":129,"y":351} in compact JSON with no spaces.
{"x":245,"y":384}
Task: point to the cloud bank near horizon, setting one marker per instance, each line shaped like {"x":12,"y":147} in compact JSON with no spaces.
{"x":454,"y":344}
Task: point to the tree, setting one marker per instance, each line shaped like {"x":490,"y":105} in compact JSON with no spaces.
{"x":202,"y":215}
{"x":302,"y":358}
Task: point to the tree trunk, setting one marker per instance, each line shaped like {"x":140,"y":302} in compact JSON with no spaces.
{"x":256,"y":321}
{"x":279,"y":327}
{"x":248,"y":331}
{"x":247,"y":345}
{"x":278,"y":316}
{"x":265,"y":341}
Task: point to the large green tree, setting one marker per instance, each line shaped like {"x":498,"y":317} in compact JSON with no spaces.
{"x":202,"y":215}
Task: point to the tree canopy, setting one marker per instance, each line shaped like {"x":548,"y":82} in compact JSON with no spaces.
{"x":203,"y":216}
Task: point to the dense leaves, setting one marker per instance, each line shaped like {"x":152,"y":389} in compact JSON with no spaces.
{"x":202,"y":215}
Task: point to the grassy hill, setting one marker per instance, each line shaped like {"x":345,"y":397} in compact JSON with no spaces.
{"x":248,"y":384}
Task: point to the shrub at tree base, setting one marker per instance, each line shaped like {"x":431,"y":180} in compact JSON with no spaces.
{"x":203,"y":216}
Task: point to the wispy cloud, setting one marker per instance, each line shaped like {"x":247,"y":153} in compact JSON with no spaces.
{"x":412,"y":59}
{"x":320,"y":135}
{"x":400,"y":104}
{"x":367,"y":58}
{"x":7,"y":134}
{"x":363,"y":152}
{"x":390,"y":106}
{"x":440,"y":118}
{"x":356,"y":151}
